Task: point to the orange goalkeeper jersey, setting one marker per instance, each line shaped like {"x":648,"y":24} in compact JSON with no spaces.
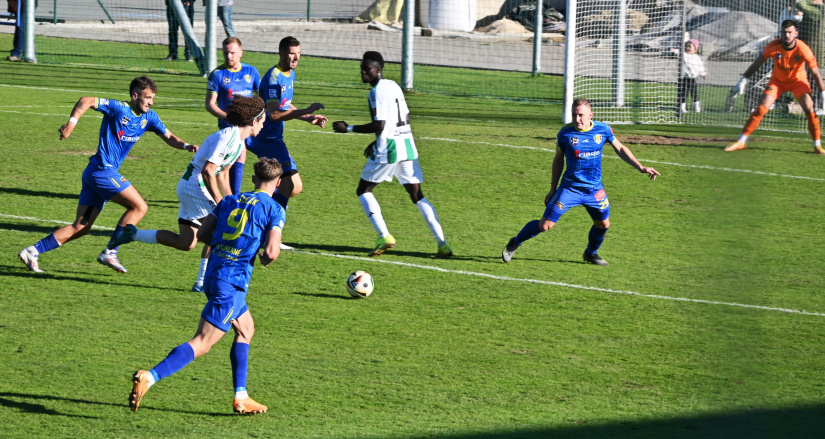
{"x":788,"y":65}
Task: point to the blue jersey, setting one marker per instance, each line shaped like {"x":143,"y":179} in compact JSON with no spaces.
{"x":583,"y":154}
{"x":227,"y":83}
{"x":276,"y":85}
{"x":119,"y":131}
{"x":243,"y":221}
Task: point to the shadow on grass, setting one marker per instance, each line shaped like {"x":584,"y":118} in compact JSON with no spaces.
{"x":797,"y":423}
{"x":31,"y":193}
{"x":46,"y":230}
{"x":31,"y":407}
{"x":21,"y":271}
{"x":324,"y":295}
{"x":342,"y":250}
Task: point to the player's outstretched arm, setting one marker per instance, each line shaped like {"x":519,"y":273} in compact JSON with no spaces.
{"x":375,"y":126}
{"x":272,"y":248}
{"x":627,"y":156}
{"x":79,"y":109}
{"x":177,"y":143}
{"x":276,"y":114}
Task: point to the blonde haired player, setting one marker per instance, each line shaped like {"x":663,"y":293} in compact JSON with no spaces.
{"x":790,"y":56}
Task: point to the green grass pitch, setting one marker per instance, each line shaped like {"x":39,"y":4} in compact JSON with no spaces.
{"x":708,"y":323}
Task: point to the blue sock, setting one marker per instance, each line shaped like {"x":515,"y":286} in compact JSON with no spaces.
{"x":529,"y":230}
{"x":46,"y":244}
{"x":118,"y":228}
{"x":239,"y":356}
{"x":236,"y":177}
{"x":595,"y":240}
{"x":280,"y":199}
{"x":175,"y":361}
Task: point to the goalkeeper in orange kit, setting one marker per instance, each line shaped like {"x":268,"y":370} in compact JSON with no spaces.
{"x":789,"y":59}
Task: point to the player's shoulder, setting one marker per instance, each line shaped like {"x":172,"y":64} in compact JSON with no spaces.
{"x":249,"y":68}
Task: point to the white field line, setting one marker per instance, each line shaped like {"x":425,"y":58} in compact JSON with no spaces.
{"x":506,"y":278}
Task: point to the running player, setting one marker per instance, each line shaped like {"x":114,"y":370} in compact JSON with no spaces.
{"x":232,"y":78}
{"x":204,"y":181}
{"x":789,"y":57}
{"x":276,"y":90}
{"x":239,"y":226}
{"x":123,"y":125}
{"x":392,"y":154}
{"x":581,"y":144}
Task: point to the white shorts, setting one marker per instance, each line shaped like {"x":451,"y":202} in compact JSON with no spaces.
{"x":407,"y":172}
{"x":195,"y":200}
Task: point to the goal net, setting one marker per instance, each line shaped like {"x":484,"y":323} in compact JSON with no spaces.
{"x":629,"y":59}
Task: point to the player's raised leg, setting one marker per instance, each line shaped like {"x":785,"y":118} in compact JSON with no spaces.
{"x":428,"y":213}
{"x":136,"y":209}
{"x":765,"y":102}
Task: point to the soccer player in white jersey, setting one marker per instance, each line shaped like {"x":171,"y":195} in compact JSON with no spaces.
{"x":123,"y":125}
{"x":392,"y":154}
{"x":205,"y":181}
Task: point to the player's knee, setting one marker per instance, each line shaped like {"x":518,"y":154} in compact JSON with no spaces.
{"x":760,"y":110}
{"x":415,"y":197}
{"x":545,"y":224}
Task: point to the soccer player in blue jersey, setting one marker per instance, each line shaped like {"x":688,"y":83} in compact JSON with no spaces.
{"x":123,"y":125}
{"x":239,"y":226}
{"x":232,"y":78}
{"x":204,"y":181}
{"x":276,"y":90}
{"x":580,"y":144}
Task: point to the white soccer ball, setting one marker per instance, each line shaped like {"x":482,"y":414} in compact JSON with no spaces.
{"x":360,"y":284}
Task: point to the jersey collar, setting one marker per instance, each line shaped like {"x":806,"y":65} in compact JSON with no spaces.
{"x":586,"y":129}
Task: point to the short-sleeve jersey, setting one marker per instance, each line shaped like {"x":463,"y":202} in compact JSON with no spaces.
{"x":227,"y":83}
{"x":583,"y":154}
{"x":221,"y":148}
{"x":243,"y":222}
{"x":789,"y":65}
{"x":276,"y":85}
{"x":120,"y":129}
{"x":395,"y":143}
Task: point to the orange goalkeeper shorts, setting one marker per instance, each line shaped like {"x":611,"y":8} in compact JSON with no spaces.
{"x":776,"y":88}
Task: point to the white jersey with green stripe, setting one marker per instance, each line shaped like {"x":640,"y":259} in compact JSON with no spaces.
{"x":395,"y":143}
{"x":221,"y":148}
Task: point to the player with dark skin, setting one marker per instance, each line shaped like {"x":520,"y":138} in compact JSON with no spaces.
{"x":371,"y":73}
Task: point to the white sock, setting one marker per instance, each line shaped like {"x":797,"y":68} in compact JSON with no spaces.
{"x":373,"y":211}
{"x":243,"y":394}
{"x":32,"y":250}
{"x":743,"y":138}
{"x":816,"y":143}
{"x":150,"y":380}
{"x":683,"y":107}
{"x":147,"y":236}
{"x":428,"y":212}
{"x":697,"y":107}
{"x":202,"y":270}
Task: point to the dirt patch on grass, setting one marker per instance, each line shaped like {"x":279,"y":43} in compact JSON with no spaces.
{"x":672,"y":140}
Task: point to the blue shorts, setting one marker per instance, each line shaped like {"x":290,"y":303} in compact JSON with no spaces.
{"x":226,"y":302}
{"x":272,"y":148}
{"x":100,"y":185}
{"x":594,"y":200}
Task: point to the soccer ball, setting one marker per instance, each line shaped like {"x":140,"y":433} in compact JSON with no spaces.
{"x":360,"y":284}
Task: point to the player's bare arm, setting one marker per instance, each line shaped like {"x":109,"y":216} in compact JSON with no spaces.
{"x":210,"y":181}
{"x":739,"y":88}
{"x":555,"y":174}
{"x":279,"y":115}
{"x":375,"y":126}
{"x":79,"y":109}
{"x":177,"y":143}
{"x":211,"y":105}
{"x":626,"y":155}
{"x":272,"y":248}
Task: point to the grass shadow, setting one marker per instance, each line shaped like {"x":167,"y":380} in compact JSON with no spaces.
{"x":31,"y":407}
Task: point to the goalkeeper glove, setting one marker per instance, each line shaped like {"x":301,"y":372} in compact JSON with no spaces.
{"x":739,"y":88}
